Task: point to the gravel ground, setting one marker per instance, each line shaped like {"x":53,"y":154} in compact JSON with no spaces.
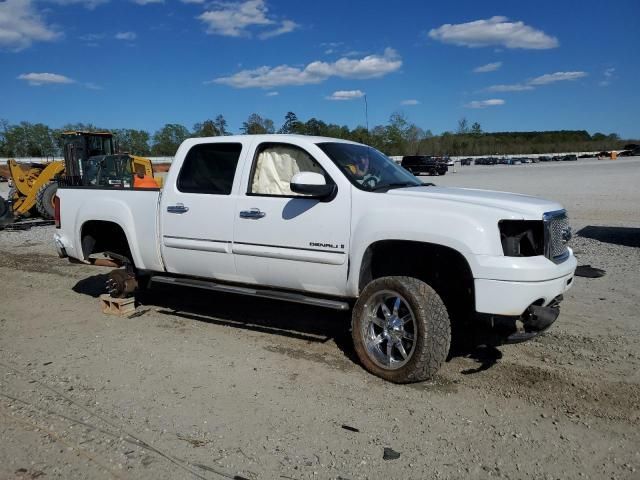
{"x":204,"y":385}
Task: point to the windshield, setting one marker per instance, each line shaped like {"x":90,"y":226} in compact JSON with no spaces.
{"x":367,"y":168}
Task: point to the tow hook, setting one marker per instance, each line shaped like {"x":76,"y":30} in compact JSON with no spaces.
{"x":539,"y":318}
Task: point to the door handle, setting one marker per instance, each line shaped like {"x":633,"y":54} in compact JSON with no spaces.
{"x":254,"y":213}
{"x":177,"y":208}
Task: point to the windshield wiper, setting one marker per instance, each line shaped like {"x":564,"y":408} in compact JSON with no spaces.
{"x":389,"y":186}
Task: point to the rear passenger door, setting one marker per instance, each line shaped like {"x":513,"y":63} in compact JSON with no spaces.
{"x":197,"y":211}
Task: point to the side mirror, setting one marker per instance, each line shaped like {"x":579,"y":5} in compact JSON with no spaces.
{"x":311,"y":184}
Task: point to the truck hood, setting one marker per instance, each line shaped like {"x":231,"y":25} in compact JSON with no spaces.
{"x":518,"y":205}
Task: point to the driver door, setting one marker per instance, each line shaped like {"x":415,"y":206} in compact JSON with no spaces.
{"x":289,"y":240}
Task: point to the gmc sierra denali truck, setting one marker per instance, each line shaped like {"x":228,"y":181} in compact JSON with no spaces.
{"x":336,"y":224}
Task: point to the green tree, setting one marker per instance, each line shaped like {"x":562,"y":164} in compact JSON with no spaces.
{"x":132,"y":141}
{"x":291,"y":124}
{"x":476,"y":129}
{"x":221,"y":125}
{"x":256,"y":125}
{"x":463,"y":126}
{"x":206,"y":129}
{"x":28,"y":140}
{"x":167,"y":140}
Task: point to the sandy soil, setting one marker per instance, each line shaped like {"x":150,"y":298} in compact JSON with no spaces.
{"x":204,"y":385}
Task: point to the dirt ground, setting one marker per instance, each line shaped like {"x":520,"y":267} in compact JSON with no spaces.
{"x":204,"y":385}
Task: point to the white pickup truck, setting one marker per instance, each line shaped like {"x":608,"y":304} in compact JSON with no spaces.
{"x":336,"y":224}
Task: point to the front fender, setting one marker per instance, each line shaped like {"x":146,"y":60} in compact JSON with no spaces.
{"x":468,"y":235}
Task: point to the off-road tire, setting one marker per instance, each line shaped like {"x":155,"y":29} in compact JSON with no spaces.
{"x":5,"y":214}
{"x":433,"y":336}
{"x":44,"y":200}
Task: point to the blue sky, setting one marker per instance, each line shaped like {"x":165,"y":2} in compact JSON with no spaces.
{"x":143,"y":63}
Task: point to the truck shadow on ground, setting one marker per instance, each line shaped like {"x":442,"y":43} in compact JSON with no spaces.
{"x":626,"y":236}
{"x":300,"y":322}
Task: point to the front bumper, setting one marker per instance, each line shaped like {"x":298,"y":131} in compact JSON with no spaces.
{"x":510,"y":298}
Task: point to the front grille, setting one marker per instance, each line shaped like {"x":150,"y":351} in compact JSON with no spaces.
{"x":557,"y":235}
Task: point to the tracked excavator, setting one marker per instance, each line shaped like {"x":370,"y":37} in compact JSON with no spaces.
{"x":89,"y":160}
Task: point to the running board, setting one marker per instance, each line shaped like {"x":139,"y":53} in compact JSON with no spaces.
{"x":262,"y":293}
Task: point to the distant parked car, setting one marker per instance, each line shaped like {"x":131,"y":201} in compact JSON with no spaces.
{"x":466,"y":161}
{"x":421,"y":164}
{"x":569,"y":158}
{"x":534,"y":160}
{"x":556,"y":158}
{"x":3,"y":178}
{"x":525,"y":160}
{"x":544,"y":158}
{"x":604,"y":154}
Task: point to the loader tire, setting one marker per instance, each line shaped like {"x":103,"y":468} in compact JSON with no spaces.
{"x":44,"y":200}
{"x":5,"y":213}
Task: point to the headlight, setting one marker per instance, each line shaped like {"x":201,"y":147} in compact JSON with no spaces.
{"x":522,"y":238}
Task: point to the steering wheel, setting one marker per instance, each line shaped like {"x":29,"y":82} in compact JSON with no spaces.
{"x":370,"y":180}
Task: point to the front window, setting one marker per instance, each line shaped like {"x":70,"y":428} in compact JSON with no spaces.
{"x":367,"y":168}
{"x":274,"y":167}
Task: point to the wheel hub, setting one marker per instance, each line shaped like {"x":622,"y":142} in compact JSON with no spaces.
{"x":390,"y":330}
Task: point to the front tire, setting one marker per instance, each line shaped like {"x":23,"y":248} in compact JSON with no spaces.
{"x":401,"y":330}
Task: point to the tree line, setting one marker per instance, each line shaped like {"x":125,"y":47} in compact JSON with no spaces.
{"x":398,"y":137}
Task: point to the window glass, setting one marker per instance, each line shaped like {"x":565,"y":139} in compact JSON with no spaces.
{"x":367,"y":168}
{"x":209,"y":168}
{"x":276,"y":165}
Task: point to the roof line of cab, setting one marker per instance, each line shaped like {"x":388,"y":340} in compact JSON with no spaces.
{"x":273,"y":137}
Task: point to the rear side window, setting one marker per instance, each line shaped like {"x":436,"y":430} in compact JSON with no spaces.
{"x":209,"y":168}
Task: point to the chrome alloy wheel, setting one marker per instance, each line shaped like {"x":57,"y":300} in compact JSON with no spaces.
{"x":389,"y":330}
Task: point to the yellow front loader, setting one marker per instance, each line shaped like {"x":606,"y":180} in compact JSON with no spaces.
{"x":34,"y":185}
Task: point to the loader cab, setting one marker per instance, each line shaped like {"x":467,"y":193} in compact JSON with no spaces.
{"x":78,"y":147}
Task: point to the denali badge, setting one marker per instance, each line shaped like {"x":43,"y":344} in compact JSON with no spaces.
{"x":326,"y":245}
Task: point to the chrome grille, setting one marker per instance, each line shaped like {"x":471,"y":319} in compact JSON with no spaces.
{"x":557,"y":235}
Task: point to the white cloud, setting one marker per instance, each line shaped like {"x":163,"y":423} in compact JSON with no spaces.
{"x":495,"y":31}
{"x":147,"y":2}
{"x":88,"y":4}
{"x":556,"y":77}
{"x":199,"y":2}
{"x":531,"y":84}
{"x":234,"y":19}
{"x":286,"y":27}
{"x":342,"y":95}
{"x":492,"y":102}
{"x":38,"y":79}
{"x":516,"y":87}
{"x":129,"y":36}
{"x":21,"y":25}
{"x":91,"y":37}
{"x":410,"y":101}
{"x":272,"y":94}
{"x":371,"y":66}
{"x":489,"y":67}
{"x":608,"y":76}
